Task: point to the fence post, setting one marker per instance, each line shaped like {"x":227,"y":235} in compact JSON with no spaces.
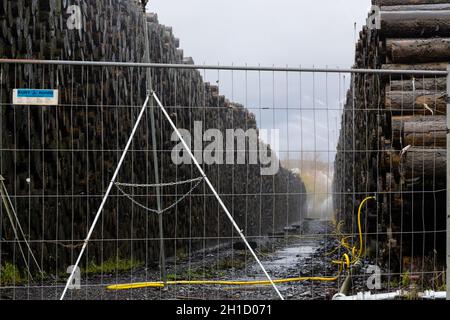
{"x":448,"y":184}
{"x":162,"y":254}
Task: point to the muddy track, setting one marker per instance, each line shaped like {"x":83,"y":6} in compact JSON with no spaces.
{"x":298,"y":255}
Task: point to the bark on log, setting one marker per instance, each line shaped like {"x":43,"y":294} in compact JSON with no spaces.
{"x":415,"y":24}
{"x":397,"y":130}
{"x":405,"y":2}
{"x":435,"y":66}
{"x":427,"y":84}
{"x":426,"y":131}
{"x":420,"y":7}
{"x":419,"y":131}
{"x":390,"y":159}
{"x":391,"y":183}
{"x":424,"y":168}
{"x":431,"y":66}
{"x":409,"y":102}
{"x":418,"y":50}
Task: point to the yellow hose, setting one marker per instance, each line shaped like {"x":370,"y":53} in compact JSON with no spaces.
{"x":345,"y":262}
{"x":160,"y":284}
{"x":359,"y":224}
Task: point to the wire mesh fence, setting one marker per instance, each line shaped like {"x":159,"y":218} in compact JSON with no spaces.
{"x":406,"y":231}
{"x":292,"y":155}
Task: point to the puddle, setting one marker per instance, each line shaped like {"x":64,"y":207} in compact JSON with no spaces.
{"x":286,"y":259}
{"x":289,"y":257}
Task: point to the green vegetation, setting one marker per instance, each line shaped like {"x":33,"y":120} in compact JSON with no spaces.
{"x":213,"y":271}
{"x":406,"y":279}
{"x":195,"y":274}
{"x":439,"y":282}
{"x":181,"y":254}
{"x":414,"y":285}
{"x":226,"y":264}
{"x":111,"y":266}
{"x":394,"y":283}
{"x":10,"y":275}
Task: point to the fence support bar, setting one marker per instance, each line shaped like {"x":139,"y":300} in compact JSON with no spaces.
{"x":105,"y":197}
{"x":441,"y":73}
{"x":448,"y":185}
{"x":162,"y":254}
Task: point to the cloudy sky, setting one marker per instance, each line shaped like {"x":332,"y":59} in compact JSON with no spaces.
{"x":320,"y":33}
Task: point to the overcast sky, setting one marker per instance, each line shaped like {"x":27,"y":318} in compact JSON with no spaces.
{"x":283,"y":32}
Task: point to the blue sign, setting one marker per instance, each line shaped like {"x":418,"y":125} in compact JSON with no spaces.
{"x":42,"y":97}
{"x":35,"y":93}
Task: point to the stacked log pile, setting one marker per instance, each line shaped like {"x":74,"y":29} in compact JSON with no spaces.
{"x":404,"y":137}
{"x":57,"y":161}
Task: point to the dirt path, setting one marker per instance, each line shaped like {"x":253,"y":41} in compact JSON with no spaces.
{"x":293,"y":256}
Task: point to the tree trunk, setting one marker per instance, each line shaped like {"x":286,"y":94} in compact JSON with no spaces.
{"x":420,"y":131}
{"x":426,"y":131}
{"x":433,"y":66}
{"x":406,"y":2}
{"x":418,"y":50}
{"x":427,"y":84}
{"x":415,"y":24}
{"x":390,"y":159}
{"x":424,"y":168}
{"x":409,"y":102}
{"x":398,"y":130}
{"x":436,"y":66}
{"x":418,"y":7}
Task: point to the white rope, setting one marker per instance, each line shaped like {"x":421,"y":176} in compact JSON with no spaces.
{"x":168,"y":184}
{"x":199,"y":180}
{"x":404,"y":150}
{"x":428,"y":108}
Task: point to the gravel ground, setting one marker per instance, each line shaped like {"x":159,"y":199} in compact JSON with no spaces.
{"x":296,"y":255}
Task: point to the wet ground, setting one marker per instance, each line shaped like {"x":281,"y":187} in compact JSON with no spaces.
{"x":299,"y":254}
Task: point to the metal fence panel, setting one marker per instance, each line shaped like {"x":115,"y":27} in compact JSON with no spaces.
{"x":318,"y":146}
